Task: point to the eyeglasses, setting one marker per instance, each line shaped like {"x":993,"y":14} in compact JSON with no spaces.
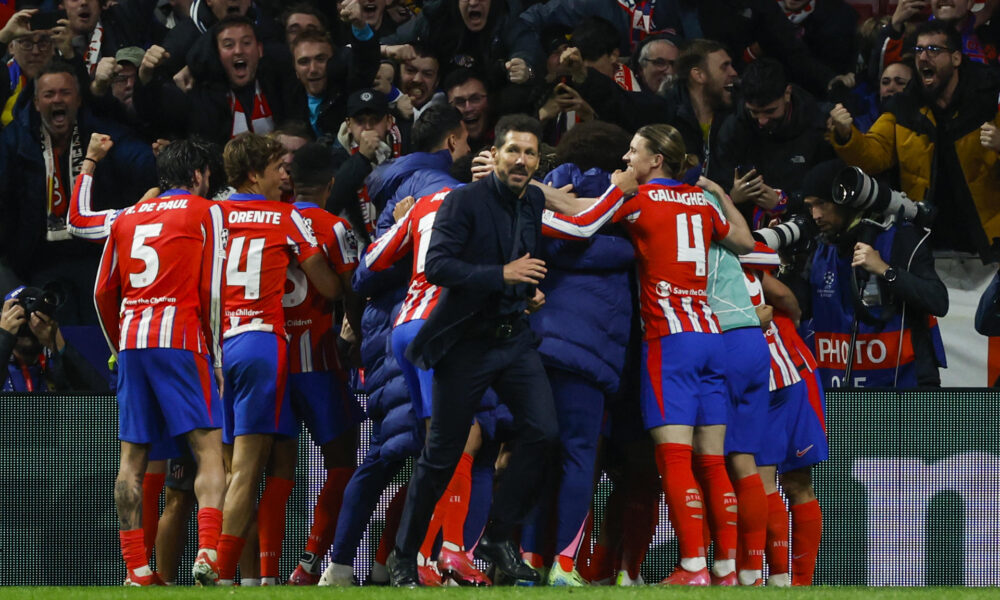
{"x":459,"y":101}
{"x":659,"y":63}
{"x":932,"y":50}
{"x":28,"y":45}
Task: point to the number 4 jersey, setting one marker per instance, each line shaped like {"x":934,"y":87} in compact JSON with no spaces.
{"x":265,"y":237}
{"x":159,"y":283}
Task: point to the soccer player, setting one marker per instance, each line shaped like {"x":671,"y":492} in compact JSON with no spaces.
{"x":158,"y":297}
{"x":265,"y":237}
{"x":671,"y":225}
{"x":414,"y":221}
{"x":317,"y":377}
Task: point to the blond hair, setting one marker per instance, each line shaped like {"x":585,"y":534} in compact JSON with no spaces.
{"x":666,"y":141}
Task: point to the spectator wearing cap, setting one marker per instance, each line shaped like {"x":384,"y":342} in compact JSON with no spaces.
{"x":327,"y":78}
{"x":367,"y":137}
{"x":36,"y":354}
{"x":119,"y":75}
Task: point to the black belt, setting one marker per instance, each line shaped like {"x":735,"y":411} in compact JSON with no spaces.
{"x":500,"y":328}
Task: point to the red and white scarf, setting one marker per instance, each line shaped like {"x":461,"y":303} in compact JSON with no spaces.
{"x":93,"y":54}
{"x":262,"y":121}
{"x":56,"y":193}
{"x":626,"y":79}
{"x":796,"y":16}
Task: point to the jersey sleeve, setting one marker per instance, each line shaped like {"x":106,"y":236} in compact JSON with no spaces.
{"x":392,"y":245}
{"x":344,"y":256}
{"x":213,"y":263}
{"x":83,"y":222}
{"x":107,"y":295}
{"x":587,"y":223}
{"x":720,"y":225}
{"x":300,"y":238}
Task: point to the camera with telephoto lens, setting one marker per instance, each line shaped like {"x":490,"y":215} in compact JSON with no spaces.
{"x":45,"y":300}
{"x":796,"y":231}
{"x":854,"y":189}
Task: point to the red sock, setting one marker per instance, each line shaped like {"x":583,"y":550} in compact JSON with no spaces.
{"x":710,"y":470}
{"x":458,"y":492}
{"x":642,"y":515}
{"x":753,"y":522}
{"x":683,"y":496}
{"x":133,"y":549}
{"x":777,"y":534}
{"x":437,"y":519}
{"x":807,"y":529}
{"x":328,"y":504}
{"x":152,"y":485}
{"x":230,"y":548}
{"x":209,"y":527}
{"x":271,"y":523}
{"x":566,"y":563}
{"x":392,"y":514}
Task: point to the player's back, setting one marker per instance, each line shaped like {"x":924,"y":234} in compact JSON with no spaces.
{"x":308,"y":314}
{"x":672,"y":227}
{"x":164,"y":249}
{"x":265,"y":237}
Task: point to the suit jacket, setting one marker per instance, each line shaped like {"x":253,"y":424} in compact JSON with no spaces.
{"x":470,"y":243}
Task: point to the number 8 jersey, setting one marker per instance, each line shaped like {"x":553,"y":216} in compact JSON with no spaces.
{"x":265,"y":237}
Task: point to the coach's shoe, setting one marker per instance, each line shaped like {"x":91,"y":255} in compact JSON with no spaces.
{"x":337,"y":575}
{"x":457,"y":566}
{"x":205,"y":571}
{"x":302,"y":577}
{"x":682,"y":576}
{"x":560,"y":578}
{"x":402,"y":571}
{"x":503,"y":554}
{"x":142,"y":577}
{"x":624,"y":580}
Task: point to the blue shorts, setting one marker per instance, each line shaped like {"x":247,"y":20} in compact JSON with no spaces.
{"x":683,"y":380}
{"x":748,"y":367}
{"x":255,"y":365}
{"x":807,"y":442}
{"x":165,"y":392}
{"x":321,"y":401}
{"x":164,"y":448}
{"x":418,"y":381}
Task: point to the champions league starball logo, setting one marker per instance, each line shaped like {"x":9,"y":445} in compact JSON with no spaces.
{"x":829,"y":278}
{"x":663,"y":289}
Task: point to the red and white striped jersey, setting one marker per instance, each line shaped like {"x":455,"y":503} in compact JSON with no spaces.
{"x":83,"y":222}
{"x":265,"y":237}
{"x":413,"y":230}
{"x":671,"y":226}
{"x":312,"y":342}
{"x":783,"y":370}
{"x":160,"y":279}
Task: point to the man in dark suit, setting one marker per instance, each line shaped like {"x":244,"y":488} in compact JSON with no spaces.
{"x":478,"y":337}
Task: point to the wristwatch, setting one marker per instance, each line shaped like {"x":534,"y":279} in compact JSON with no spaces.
{"x":890,"y":275}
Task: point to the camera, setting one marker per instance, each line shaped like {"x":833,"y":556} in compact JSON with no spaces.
{"x":799,"y":228}
{"x":854,"y":189}
{"x":45,"y":300}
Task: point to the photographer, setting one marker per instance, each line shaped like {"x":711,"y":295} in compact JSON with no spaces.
{"x":887,"y":316}
{"x":37,"y":356}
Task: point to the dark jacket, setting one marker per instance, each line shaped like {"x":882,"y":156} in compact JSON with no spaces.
{"x":206,"y":110}
{"x":351,"y":69}
{"x":120,"y":180}
{"x":68,"y":371}
{"x":439,"y":26}
{"x":782,"y":157}
{"x":585,"y":323}
{"x":466,"y":256}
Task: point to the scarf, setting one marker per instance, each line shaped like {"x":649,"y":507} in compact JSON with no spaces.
{"x":262,"y":121}
{"x":93,"y":54}
{"x":626,"y":79}
{"x":56,"y":194}
{"x":796,"y":16}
